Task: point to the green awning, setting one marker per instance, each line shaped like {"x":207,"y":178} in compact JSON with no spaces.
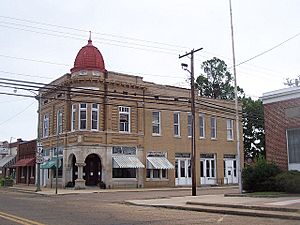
{"x":51,"y":164}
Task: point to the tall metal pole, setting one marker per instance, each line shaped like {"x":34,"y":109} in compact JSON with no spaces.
{"x":57,"y":162}
{"x":38,"y":185}
{"x":193,"y":144}
{"x":236,"y":108}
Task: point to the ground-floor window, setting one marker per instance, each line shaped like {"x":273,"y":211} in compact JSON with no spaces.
{"x":60,"y":172}
{"x":293,"y":143}
{"x":157,"y":173}
{"x":124,"y":173}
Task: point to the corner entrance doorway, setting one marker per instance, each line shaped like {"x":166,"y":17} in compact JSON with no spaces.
{"x":92,"y":170}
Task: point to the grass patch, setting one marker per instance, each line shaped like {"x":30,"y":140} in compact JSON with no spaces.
{"x":271,"y":194}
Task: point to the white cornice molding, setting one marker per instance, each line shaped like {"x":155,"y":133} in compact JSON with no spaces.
{"x":281,"y":95}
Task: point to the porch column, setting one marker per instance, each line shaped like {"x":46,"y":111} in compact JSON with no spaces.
{"x":80,"y":182}
{"x":27,"y":175}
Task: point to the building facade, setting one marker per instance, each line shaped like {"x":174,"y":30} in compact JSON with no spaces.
{"x":8,"y":152}
{"x":25,"y":162}
{"x":116,"y":130}
{"x":282,"y":127}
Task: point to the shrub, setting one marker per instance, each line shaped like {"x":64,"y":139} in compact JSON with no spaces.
{"x":288,"y":182}
{"x":260,"y":176}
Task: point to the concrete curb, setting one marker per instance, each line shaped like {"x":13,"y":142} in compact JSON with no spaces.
{"x":86,"y":191}
{"x":239,"y":206}
{"x":223,"y":211}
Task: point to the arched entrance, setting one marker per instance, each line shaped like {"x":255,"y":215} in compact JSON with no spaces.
{"x":92,"y":170}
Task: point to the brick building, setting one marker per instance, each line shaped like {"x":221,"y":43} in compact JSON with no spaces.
{"x":119,"y":130}
{"x":25,"y":162}
{"x":282,"y":127}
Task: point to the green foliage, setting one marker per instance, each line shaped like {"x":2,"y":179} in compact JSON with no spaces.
{"x":5,"y":182}
{"x":253,"y":128}
{"x":216,"y":82}
{"x":260,"y":176}
{"x":288,"y":181}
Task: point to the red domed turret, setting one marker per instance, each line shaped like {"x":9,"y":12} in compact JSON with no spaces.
{"x":89,"y":58}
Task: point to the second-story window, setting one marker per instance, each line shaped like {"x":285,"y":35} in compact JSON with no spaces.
{"x":202,"y":125}
{"x":82,"y":116}
{"x":46,"y":125}
{"x":73,"y":117}
{"x":176,"y":124}
{"x":189,"y":125}
{"x":213,"y":127}
{"x":95,"y":117}
{"x":59,"y":121}
{"x":229,"y":129}
{"x":124,"y":119}
{"x":156,"y":123}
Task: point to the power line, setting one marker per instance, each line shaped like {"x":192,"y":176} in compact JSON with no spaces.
{"x":205,"y":103}
{"x":266,"y":51}
{"x":112,"y":35}
{"x":104,"y":34}
{"x":17,"y":114}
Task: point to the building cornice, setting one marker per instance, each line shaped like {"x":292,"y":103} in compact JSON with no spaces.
{"x":281,"y":95}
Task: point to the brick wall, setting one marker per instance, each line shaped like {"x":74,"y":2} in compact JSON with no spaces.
{"x":276,"y":124}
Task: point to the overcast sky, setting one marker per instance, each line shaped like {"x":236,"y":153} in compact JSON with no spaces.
{"x":39,"y":41}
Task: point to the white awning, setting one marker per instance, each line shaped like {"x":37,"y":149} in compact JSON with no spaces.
{"x":7,"y":161}
{"x":124,"y":161}
{"x":159,"y":163}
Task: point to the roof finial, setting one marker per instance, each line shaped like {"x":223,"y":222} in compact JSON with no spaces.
{"x":90,"y":38}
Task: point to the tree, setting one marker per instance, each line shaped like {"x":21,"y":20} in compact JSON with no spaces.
{"x":217,"y":82}
{"x":253,"y":128}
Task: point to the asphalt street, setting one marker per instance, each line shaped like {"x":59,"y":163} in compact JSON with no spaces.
{"x":109,"y":208}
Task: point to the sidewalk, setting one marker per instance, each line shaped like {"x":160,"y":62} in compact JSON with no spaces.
{"x":70,"y":191}
{"x":282,"y":207}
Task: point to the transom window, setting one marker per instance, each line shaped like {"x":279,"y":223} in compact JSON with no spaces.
{"x":95,"y":116}
{"x":124,"y":119}
{"x":229,"y":129}
{"x":176,"y":124}
{"x":82,"y":116}
{"x":125,"y":150}
{"x":156,"y":123}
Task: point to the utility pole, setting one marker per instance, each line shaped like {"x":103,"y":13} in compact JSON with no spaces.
{"x":193,"y":145}
{"x":39,"y":147}
{"x":236,"y":109}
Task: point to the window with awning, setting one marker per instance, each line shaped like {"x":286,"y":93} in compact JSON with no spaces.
{"x":125,"y":166}
{"x":157,"y":167}
{"x":159,"y":163}
{"x":124,"y":161}
{"x":25,"y":162}
{"x":51,"y":164}
{"x":7,"y":161}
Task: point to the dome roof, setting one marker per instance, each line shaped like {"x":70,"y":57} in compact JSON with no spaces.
{"x":89,"y":58}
